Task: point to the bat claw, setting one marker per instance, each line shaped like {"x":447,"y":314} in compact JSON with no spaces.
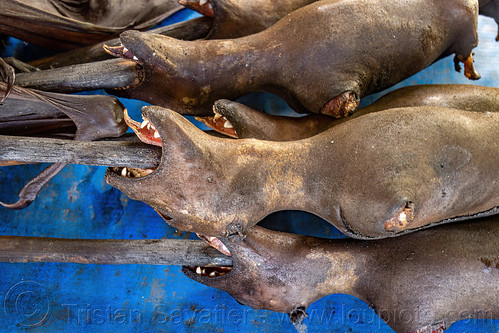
{"x":19,"y":204}
{"x":30,"y":191}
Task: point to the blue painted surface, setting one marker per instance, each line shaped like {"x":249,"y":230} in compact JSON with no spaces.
{"x":49,"y":297}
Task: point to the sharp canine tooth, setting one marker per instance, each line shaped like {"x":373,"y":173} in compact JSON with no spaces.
{"x":149,"y":126}
{"x":203,"y":2}
{"x":227,"y":124}
{"x":144,"y":123}
{"x":125,"y":50}
{"x":156,"y":135}
{"x":217,"y":115}
{"x":123,"y":172}
{"x":135,"y":58}
{"x":198,"y":270}
{"x":213,"y":274}
{"x":203,"y":271}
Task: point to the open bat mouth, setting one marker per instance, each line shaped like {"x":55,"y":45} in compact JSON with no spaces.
{"x":212,"y":271}
{"x":203,"y":7}
{"x":121,"y":51}
{"x":147,"y":133}
{"x":219,"y":124}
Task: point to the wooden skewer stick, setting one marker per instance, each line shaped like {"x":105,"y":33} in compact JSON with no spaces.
{"x":110,"y":252}
{"x":101,"y":153}
{"x":113,"y":73}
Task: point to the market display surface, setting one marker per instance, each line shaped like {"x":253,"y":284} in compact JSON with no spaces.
{"x":374,"y":214}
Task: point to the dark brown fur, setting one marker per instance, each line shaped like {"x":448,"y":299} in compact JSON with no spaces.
{"x":417,"y":282}
{"x":234,"y":18}
{"x":315,"y":58}
{"x":249,"y":123}
{"x":379,"y":175}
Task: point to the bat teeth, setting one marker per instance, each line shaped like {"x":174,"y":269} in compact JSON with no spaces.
{"x":203,"y":2}
{"x":116,"y":51}
{"x":133,"y":172}
{"x":212,"y":271}
{"x":216,"y":116}
{"x":403,"y":217}
{"x":144,"y":123}
{"x":156,"y":135}
{"x":219,"y":123}
{"x":126,"y":53}
{"x":151,"y":127}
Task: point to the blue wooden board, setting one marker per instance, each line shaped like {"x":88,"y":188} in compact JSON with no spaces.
{"x":49,"y":297}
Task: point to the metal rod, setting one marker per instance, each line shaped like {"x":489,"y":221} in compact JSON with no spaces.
{"x":110,"y":252}
{"x":113,"y":73}
{"x":103,"y":153}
